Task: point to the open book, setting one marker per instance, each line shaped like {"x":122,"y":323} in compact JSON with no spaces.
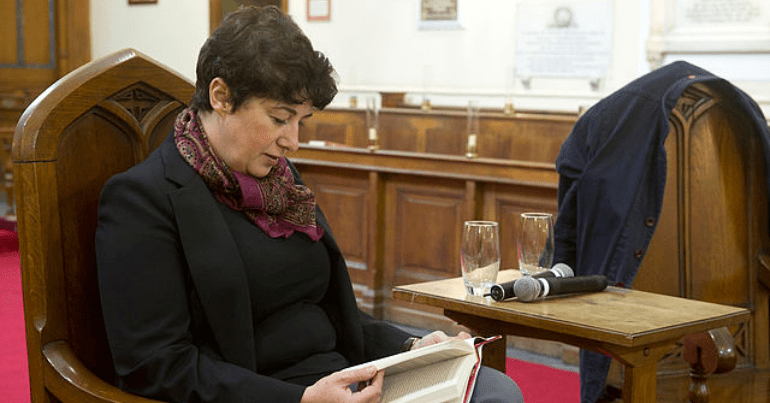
{"x":443,"y":372}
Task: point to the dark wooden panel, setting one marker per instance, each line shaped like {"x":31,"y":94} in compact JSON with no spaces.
{"x":344,"y":126}
{"x":9,"y":30}
{"x":717,"y":183}
{"x":528,"y":140}
{"x":400,"y":134}
{"x":423,"y":219}
{"x":446,"y":141}
{"x":38,"y":24}
{"x":428,"y":218}
{"x":331,"y":132}
{"x":343,"y":197}
{"x":88,"y":136}
{"x":524,"y":136}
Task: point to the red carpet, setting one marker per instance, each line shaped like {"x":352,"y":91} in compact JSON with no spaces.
{"x":538,"y":383}
{"x":543,"y":384}
{"x":14,"y":383}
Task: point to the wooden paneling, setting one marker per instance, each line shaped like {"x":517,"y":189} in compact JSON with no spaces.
{"x":9,"y":31}
{"x":535,"y":137}
{"x":423,"y":218}
{"x":29,"y":65}
{"x":42,"y":41}
{"x":426,"y":216}
{"x":346,"y":127}
{"x":73,"y":35}
{"x":720,"y":237}
{"x":37,"y":18}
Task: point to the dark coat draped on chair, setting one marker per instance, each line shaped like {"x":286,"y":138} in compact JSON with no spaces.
{"x":612,"y":175}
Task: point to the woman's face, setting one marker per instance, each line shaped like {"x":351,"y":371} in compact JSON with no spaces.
{"x":252,"y":139}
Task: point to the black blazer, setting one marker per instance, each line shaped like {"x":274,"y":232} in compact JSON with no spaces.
{"x":174,"y":294}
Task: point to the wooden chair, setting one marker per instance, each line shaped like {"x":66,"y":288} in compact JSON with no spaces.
{"x":711,"y":240}
{"x":97,"y":121}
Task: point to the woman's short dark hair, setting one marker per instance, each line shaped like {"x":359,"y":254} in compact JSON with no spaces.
{"x":261,"y":52}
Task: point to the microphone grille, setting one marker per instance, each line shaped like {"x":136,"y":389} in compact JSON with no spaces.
{"x":563,"y":270}
{"x":526,"y":289}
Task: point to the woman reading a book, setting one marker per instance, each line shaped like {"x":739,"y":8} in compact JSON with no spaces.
{"x":219,"y":276}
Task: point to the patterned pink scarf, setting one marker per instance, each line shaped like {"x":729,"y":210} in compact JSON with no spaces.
{"x":274,"y":203}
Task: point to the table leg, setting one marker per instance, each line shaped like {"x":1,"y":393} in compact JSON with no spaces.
{"x":494,"y":354}
{"x":640,"y":382}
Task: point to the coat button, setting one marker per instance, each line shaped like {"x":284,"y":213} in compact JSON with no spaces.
{"x":650,"y":222}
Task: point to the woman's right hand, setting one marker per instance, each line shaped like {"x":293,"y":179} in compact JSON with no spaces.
{"x":334,"y":388}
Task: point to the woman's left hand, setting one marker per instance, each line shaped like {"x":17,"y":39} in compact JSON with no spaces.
{"x":437,"y":337}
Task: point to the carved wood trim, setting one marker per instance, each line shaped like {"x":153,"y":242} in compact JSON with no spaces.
{"x":692,"y":99}
{"x":138,"y":99}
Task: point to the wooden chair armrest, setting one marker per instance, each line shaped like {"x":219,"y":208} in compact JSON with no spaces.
{"x":763,"y":270}
{"x":70,"y":381}
{"x":713,"y":351}
{"x":708,"y":353}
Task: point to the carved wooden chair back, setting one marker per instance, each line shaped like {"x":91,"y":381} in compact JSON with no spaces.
{"x":713,"y":227}
{"x":97,"y":121}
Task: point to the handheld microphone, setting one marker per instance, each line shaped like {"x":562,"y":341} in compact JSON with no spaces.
{"x":529,"y":289}
{"x":499,"y":292}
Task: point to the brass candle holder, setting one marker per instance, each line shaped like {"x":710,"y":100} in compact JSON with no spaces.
{"x":472,"y":130}
{"x":372,"y":121}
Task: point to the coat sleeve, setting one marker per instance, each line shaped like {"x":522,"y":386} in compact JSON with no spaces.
{"x":569,"y":165}
{"x":147,"y":307}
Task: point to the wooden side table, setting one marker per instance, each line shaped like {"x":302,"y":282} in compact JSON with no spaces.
{"x":637,"y":328}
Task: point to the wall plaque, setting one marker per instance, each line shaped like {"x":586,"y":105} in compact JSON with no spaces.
{"x":439,"y":14}
{"x":570,"y":39}
{"x":708,"y":26}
